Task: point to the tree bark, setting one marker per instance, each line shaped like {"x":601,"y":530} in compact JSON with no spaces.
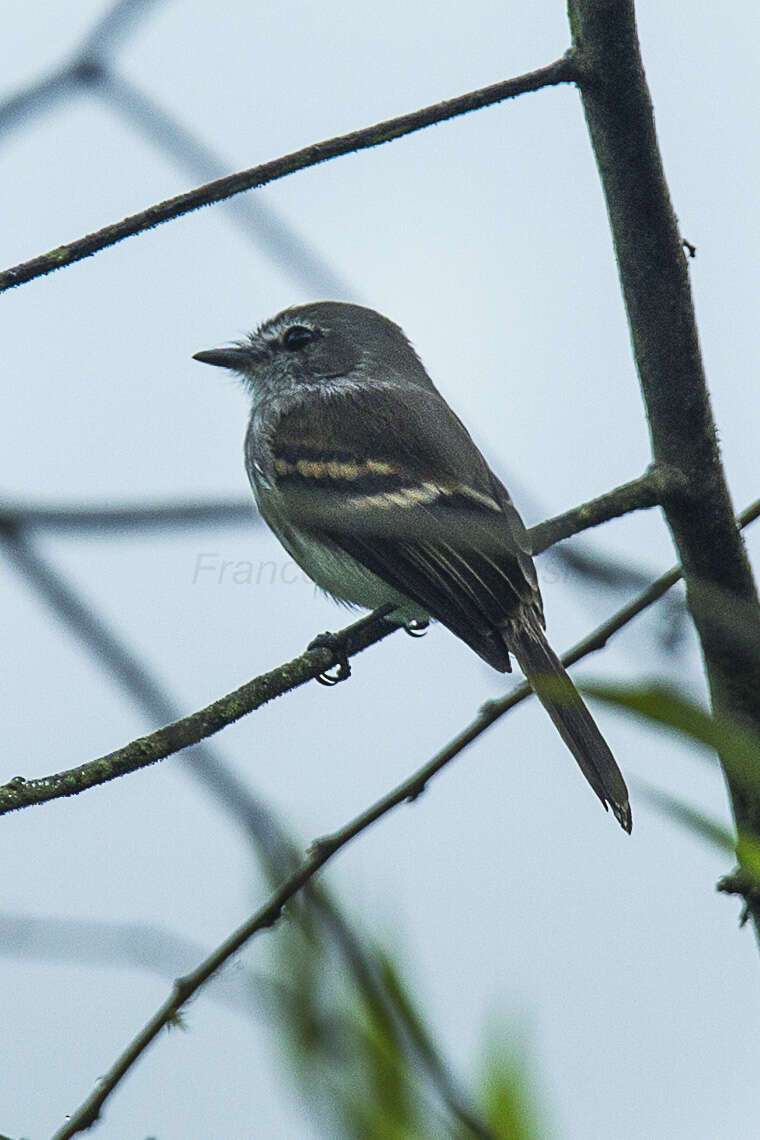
{"x":654,"y":276}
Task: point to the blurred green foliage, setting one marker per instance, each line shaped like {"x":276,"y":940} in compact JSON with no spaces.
{"x":358,"y":1045}
{"x":362,"y":1053}
{"x":737,"y":745}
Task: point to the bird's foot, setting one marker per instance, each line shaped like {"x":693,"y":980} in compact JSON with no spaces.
{"x":336,"y":643}
{"x":345,"y":642}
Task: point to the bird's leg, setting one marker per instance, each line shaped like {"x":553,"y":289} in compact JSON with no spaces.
{"x":340,"y":643}
{"x":336,"y":643}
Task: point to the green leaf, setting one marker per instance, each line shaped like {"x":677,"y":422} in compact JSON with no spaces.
{"x":746,"y":848}
{"x":508,"y":1094}
{"x":737,"y":745}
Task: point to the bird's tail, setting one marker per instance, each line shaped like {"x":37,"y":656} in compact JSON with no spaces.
{"x":549,"y":680}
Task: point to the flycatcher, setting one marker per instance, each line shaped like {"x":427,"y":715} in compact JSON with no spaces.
{"x":374,"y":486}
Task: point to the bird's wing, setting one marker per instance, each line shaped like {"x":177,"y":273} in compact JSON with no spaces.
{"x":392,"y":477}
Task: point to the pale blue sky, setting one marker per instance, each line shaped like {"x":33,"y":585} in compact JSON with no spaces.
{"x":505,"y":886}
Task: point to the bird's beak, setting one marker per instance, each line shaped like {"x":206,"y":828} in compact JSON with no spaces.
{"x":238,"y":359}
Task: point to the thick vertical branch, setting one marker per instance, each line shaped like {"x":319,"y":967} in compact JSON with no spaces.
{"x":654,"y":278}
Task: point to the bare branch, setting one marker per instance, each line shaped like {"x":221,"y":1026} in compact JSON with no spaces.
{"x":146,"y":750}
{"x":647,"y":491}
{"x":324,"y":849}
{"x":561,"y":71}
{"x":655,"y":282}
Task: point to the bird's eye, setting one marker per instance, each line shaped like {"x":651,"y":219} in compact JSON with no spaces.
{"x":297,"y":337}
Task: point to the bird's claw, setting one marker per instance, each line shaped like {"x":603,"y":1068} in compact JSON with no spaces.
{"x":336,"y":644}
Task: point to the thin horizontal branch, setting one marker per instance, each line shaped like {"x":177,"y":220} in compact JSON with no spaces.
{"x":324,"y":849}
{"x":561,"y":71}
{"x":126,"y":518}
{"x":639,"y":494}
{"x":121,"y":945}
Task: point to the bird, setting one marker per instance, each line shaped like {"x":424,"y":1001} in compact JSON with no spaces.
{"x":375,"y":488}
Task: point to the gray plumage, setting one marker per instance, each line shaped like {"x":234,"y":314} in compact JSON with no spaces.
{"x":375,"y":487}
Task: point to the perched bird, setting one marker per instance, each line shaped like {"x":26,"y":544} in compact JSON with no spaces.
{"x":375,"y":488}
